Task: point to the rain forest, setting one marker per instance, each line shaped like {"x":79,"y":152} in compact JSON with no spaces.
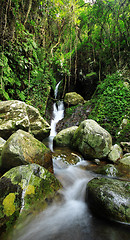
{"x":64,"y":119}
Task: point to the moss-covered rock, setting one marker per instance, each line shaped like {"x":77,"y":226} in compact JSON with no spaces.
{"x":64,"y":137}
{"x":2,"y":143}
{"x":23,"y":186}
{"x":23,"y":148}
{"x":92,"y":140}
{"x":16,"y":115}
{"x":125,"y":161}
{"x":115,"y":153}
{"x":73,"y":98}
{"x":109,"y":198}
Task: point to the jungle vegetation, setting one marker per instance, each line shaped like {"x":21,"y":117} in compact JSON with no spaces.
{"x":81,"y":43}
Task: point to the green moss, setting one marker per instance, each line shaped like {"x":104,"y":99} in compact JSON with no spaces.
{"x":30,"y":190}
{"x":111,"y":103}
{"x":124,"y":134}
{"x":8,"y":203}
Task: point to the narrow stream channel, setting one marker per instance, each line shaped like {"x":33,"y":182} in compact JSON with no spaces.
{"x":71,"y":219}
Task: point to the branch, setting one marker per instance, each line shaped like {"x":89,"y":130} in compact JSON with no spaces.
{"x":29,"y":8}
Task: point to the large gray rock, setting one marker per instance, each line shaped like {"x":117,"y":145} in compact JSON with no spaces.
{"x":2,"y":143}
{"x":73,"y":98}
{"x":92,"y":140}
{"x":109,"y":198}
{"x":64,"y":137}
{"x":23,"y":186}
{"x":115,"y":153}
{"x":16,"y":115}
{"x":125,"y":161}
{"x":23,"y":148}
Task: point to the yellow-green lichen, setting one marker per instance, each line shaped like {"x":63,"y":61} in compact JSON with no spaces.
{"x":30,"y":190}
{"x":8,"y":202}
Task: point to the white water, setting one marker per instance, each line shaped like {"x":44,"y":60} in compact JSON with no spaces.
{"x":70,"y":219}
{"x":57,"y":115}
{"x":57,"y":219}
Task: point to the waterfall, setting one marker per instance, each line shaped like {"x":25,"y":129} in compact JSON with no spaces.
{"x":63,"y":218}
{"x":57,"y":115}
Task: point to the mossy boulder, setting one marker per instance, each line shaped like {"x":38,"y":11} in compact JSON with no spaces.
{"x":92,"y":140}
{"x":16,"y":115}
{"x":23,"y":148}
{"x":23,"y":186}
{"x":73,"y":98}
{"x":2,"y":143}
{"x":125,"y":161}
{"x":115,"y":153}
{"x":109,"y":198}
{"x":64,"y":137}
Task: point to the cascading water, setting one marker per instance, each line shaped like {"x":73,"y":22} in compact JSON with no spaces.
{"x":58,"y":114}
{"x":70,"y":219}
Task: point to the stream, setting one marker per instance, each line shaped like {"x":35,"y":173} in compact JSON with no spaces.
{"x":70,"y":219}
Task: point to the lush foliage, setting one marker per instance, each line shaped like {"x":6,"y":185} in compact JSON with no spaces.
{"x":111,"y":103}
{"x":42,"y":42}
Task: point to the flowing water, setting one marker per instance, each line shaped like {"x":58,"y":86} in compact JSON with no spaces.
{"x":70,"y":219}
{"x":57,"y":115}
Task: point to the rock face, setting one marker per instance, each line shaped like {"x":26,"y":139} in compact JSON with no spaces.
{"x":16,"y":115}
{"x":92,"y":140}
{"x":109,"y":198}
{"x":23,"y":186}
{"x":23,"y":148}
{"x":115,"y":153}
{"x":64,"y":137}
{"x":73,"y":98}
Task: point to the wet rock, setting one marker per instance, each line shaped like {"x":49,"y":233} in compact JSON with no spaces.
{"x":23,"y":186}
{"x":23,"y":148}
{"x":109,"y":170}
{"x":109,"y":198}
{"x":115,"y":153}
{"x":73,"y":98}
{"x":64,"y":137}
{"x":125,"y":161}
{"x":16,"y":115}
{"x":92,"y":140}
{"x":64,"y":157}
{"x":2,"y":143}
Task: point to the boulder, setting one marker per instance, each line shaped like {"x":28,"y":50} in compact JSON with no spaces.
{"x":109,"y":198}
{"x":16,"y":115}
{"x":73,"y":98}
{"x":92,"y":140}
{"x":64,"y":137}
{"x":125,"y":161}
{"x":2,"y":143}
{"x":115,"y":153}
{"x":23,"y":186}
{"x":23,"y":148}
